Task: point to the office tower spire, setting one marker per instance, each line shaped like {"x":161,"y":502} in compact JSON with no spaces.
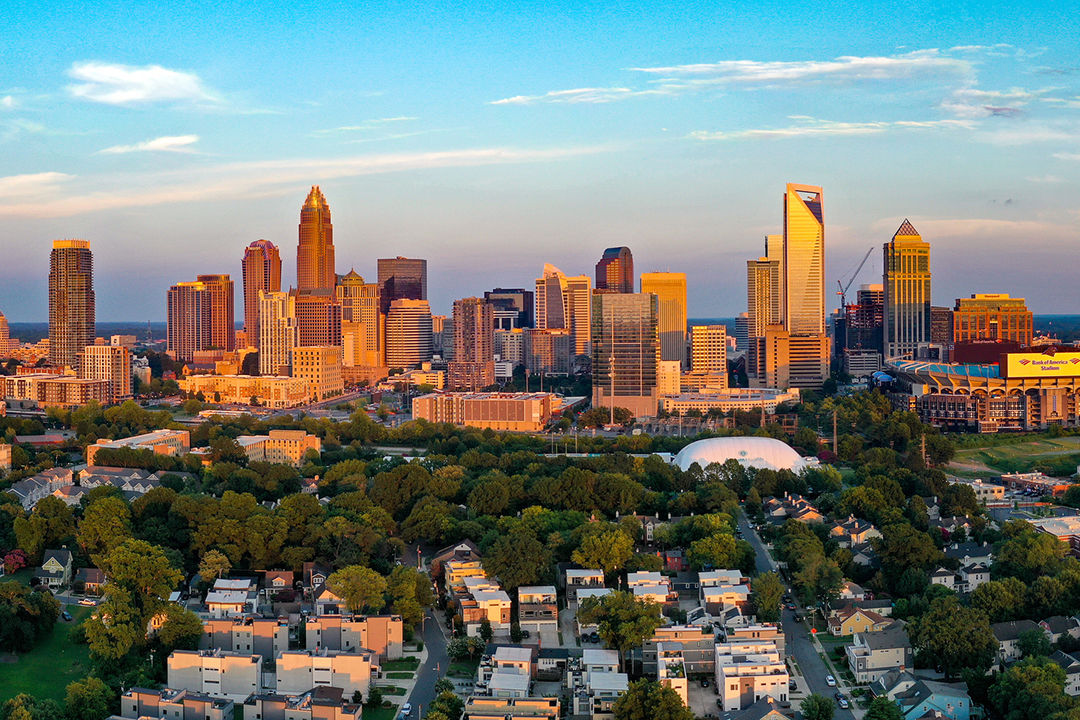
{"x":906,"y":278}
{"x":262,"y":273}
{"x":803,"y":265}
{"x":615,"y":271}
{"x":71,"y":300}
{"x":315,"y":253}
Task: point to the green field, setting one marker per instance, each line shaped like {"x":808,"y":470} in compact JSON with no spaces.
{"x":46,"y":671}
{"x":1056,"y":456}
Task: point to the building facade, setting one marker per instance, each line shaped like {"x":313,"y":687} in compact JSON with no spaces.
{"x":401,"y":278}
{"x":626,"y":351}
{"x":906,"y":277}
{"x":408,"y":333}
{"x":708,"y":349}
{"x":549,"y":351}
{"x":564,"y":303}
{"x":315,"y":250}
{"x":111,"y":363}
{"x":519,"y":300}
{"x":473,"y":367}
{"x":992,"y":316}
{"x":72,"y":306}
{"x":200,"y":317}
{"x":517,"y":412}
{"x":615,"y":271}
{"x":320,"y":367}
{"x":277,"y":332}
{"x":363,"y":324}
{"x":670,"y":291}
{"x":262,"y":274}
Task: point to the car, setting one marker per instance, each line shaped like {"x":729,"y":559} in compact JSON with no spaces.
{"x":406,"y":710}
{"x":792,"y":685}
{"x":704,"y":682}
{"x":842,"y":702}
{"x":830,"y":681}
{"x":88,"y":601}
{"x":524,"y":633}
{"x":719,"y":702}
{"x":838,"y":694}
{"x":66,"y":615}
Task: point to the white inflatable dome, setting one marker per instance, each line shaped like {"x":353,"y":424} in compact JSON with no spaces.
{"x":758,"y":452}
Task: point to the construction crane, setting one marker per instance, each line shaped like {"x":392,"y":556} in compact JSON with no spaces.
{"x":842,"y":292}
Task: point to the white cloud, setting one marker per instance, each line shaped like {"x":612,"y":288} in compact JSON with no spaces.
{"x":1067,"y":156}
{"x":116,"y":84}
{"x":255,"y":179}
{"x":981,"y":227}
{"x":7,"y":102}
{"x":810,"y":127}
{"x":577,"y":95}
{"x":1046,"y":179}
{"x":1027,"y":134}
{"x":171,"y":143}
{"x":33,"y":184}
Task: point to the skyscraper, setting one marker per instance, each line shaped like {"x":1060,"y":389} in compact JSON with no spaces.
{"x":473,"y":367}
{"x":625,"y":351}
{"x":111,"y":363}
{"x":408,"y":333}
{"x":363,"y":324}
{"x":906,"y":277}
{"x":278,"y":334}
{"x":519,"y":299}
{"x":5,"y":337}
{"x":315,"y":252}
{"x":564,"y":303}
{"x":708,"y":349}
{"x":200,"y":316}
{"x":763,"y":294}
{"x":402,"y":278}
{"x":71,"y":300}
{"x":318,"y":318}
{"x":670,"y":290}
{"x":804,"y":260}
{"x":262,"y":273}
{"x":615,"y":271}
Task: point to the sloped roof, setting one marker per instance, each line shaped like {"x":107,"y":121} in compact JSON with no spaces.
{"x":906,"y":228}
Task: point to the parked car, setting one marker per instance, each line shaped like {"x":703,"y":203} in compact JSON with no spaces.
{"x":704,"y":682}
{"x":66,"y":615}
{"x":406,"y":710}
{"x":88,"y":602}
{"x":843,"y":703}
{"x":830,"y":681}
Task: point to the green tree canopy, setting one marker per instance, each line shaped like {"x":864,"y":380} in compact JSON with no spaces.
{"x":953,"y":637}
{"x":817,"y":707}
{"x":647,"y":699}
{"x":360,"y":587}
{"x":623,"y":621}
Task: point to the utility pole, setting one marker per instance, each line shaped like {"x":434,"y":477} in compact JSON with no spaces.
{"x":611,"y":400}
{"x":834,"y":445}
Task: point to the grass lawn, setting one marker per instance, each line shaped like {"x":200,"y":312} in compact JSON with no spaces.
{"x":381,"y":713}
{"x":391,"y":689}
{"x":466,"y":669}
{"x":46,"y":671}
{"x":405,"y":663}
{"x":399,"y":675}
{"x":1019,"y":457}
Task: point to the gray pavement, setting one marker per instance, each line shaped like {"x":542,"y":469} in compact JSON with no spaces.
{"x":433,"y":668}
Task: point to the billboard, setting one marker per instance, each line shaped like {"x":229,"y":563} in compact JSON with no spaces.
{"x":1039,"y":365}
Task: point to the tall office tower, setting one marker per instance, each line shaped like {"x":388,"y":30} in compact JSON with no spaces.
{"x":708,"y":349}
{"x":804,"y":260}
{"x":564,"y":302}
{"x":670,"y":290}
{"x":5,"y":337}
{"x":278,"y":334}
{"x":200,"y":316}
{"x":615,"y":271}
{"x":408,"y":333}
{"x":363,"y":325}
{"x":906,"y":277}
{"x":71,"y":300}
{"x":625,"y":351}
{"x":402,"y":278}
{"x":519,"y":299}
{"x":315,"y":252}
{"x":763,"y":296}
{"x":111,"y":363}
{"x":262,"y":273}
{"x":318,"y":318}
{"x":992,"y":316}
{"x":742,"y":332}
{"x":473,"y":367}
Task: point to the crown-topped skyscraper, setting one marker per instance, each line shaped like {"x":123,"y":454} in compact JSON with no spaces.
{"x":315,"y":253}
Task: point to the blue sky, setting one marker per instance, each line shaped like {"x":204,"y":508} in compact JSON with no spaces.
{"x":491,"y":138}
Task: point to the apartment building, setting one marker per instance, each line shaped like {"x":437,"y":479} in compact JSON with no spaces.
{"x":321,"y":703}
{"x":260,"y":636}
{"x":651,"y":586}
{"x":172,"y":703}
{"x":671,"y":669}
{"x":381,"y":634}
{"x":747,"y":672}
{"x":286,"y":447}
{"x":301,"y":670}
{"x":538,"y":608}
{"x":216,"y":673}
{"x":595,"y":683}
{"x":695,"y":644}
{"x":478,"y":707}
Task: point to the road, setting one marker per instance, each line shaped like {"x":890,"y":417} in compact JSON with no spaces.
{"x":796,"y":635}
{"x":433,"y":668}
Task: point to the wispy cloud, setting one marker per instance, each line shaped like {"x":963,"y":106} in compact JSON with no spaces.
{"x":20,"y":186}
{"x":589,"y":95}
{"x":115,"y":84}
{"x":811,"y":127}
{"x":1067,"y":155}
{"x":971,"y":102}
{"x":169,"y":143}
{"x":1026,"y":134}
{"x":1046,"y":179}
{"x":254,"y":179}
{"x":7,"y":102}
{"x":982,"y":227}
{"x":375,"y":124}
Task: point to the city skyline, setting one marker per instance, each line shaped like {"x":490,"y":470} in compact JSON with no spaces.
{"x":669,"y":137}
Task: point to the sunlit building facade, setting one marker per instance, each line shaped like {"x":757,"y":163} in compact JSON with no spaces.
{"x":72,"y":306}
{"x":564,"y":302}
{"x":670,"y":291}
{"x":277,"y":332}
{"x":473,"y":367}
{"x":315,"y":251}
{"x":615,"y":271}
{"x":401,"y":278}
{"x":408,"y":333}
{"x":363,"y":324}
{"x":200,"y":316}
{"x":992,"y":316}
{"x":111,"y":363}
{"x":906,"y":277}
{"x":804,"y":260}
{"x":262,"y":273}
{"x":626,"y":351}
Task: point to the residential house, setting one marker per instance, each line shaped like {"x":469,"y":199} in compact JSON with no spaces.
{"x":792,"y":506}
{"x":595,"y":683}
{"x":70,"y":495}
{"x":582,"y":595}
{"x":215,"y":673}
{"x":301,"y":670}
{"x":857,"y":620}
{"x":761,"y":632}
{"x":865,"y":555}
{"x":1071,"y":665}
{"x":314,"y":575}
{"x":551,"y":663}
{"x":851,"y":591}
{"x":747,"y":671}
{"x":582,"y":578}
{"x":456,"y":571}
{"x":927,"y":696}
{"x":882,"y":606}
{"x":55,"y":570}
{"x":963,"y":581}
{"x":970,"y":552}
{"x":320,"y":703}
{"x":258,"y":636}
{"x":130,"y":481}
{"x":231,"y":597}
{"x":381,"y":634}
{"x":478,"y":707}
{"x":716,"y":599}
{"x":538,"y":608}
{"x":466,"y":550}
{"x":479,"y":599}
{"x":512,"y":659}
{"x":89,"y":580}
{"x":32,"y":489}
{"x":276,"y":581}
{"x":671,"y":669}
{"x":172,"y":703}
{"x":764,"y":709}
{"x":695,"y":643}
{"x":1058,"y":626}
{"x":326,"y":600}
{"x":852,"y":532}
{"x":875,"y":653}
{"x":1008,"y":637}
{"x":651,"y":586}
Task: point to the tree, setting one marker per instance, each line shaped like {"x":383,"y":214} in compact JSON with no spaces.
{"x":88,"y":699}
{"x":715,"y":551}
{"x":766,"y":594}
{"x":1027,"y":554}
{"x":517,"y":559}
{"x":623,"y":621}
{"x":180,"y":629}
{"x":1001,"y":600}
{"x":105,"y":524}
{"x":882,"y":708}
{"x":1033,"y":642}
{"x":902,"y":547}
{"x":213,"y":565}
{"x":608,"y":551}
{"x":360,"y":587}
{"x":817,"y":707}
{"x":1032,"y":688}
{"x":26,"y":616}
{"x":953,"y":637}
{"x":486,"y":633}
{"x":649,"y":700}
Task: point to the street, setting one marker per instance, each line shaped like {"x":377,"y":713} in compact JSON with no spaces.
{"x":796,"y":635}
{"x":434,"y":667}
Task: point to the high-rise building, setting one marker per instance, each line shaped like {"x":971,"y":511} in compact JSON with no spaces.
{"x":318,"y":318}
{"x":5,"y":337}
{"x":111,"y":363}
{"x":549,"y":351}
{"x":625,"y":351}
{"x":402,"y":278}
{"x":742,"y":331}
{"x":783,"y":360}
{"x":804,"y":260}
{"x":278,"y":334}
{"x":408,"y":333}
{"x":906,"y":277}
{"x":200,"y":316}
{"x":941,"y":325}
{"x":670,"y":290}
{"x":992,"y":316}
{"x":363,"y":324}
{"x":564,"y":303}
{"x":262,"y":273}
{"x":320,"y":366}
{"x":473,"y":367}
{"x":615,"y":271}
{"x":708,"y":349}
{"x":518,"y":299}
{"x":71,"y":300}
{"x":763,"y":296}
{"x":315,"y":251}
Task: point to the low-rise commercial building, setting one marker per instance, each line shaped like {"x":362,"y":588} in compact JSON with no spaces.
{"x":726,"y":400}
{"x":1065,"y":529}
{"x":271,"y":391}
{"x":301,"y":670}
{"x":287,"y":447}
{"x":214,"y":672}
{"x":516,"y":412}
{"x":160,"y":442}
{"x":381,"y":634}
